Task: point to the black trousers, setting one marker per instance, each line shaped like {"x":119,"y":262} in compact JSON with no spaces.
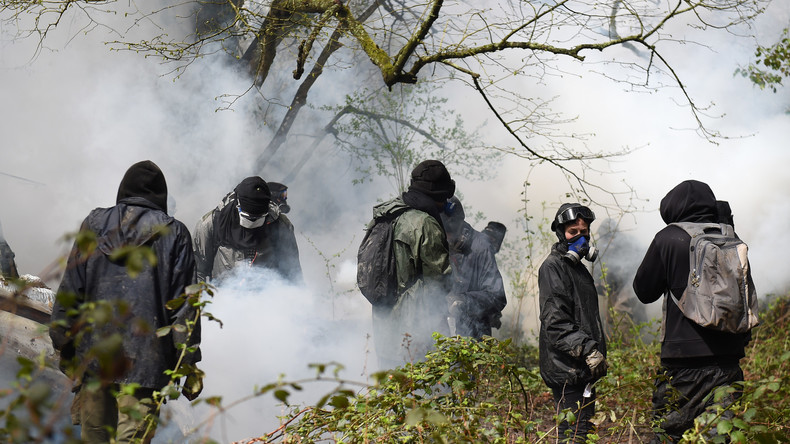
{"x":680,"y":396}
{"x":571,"y":397}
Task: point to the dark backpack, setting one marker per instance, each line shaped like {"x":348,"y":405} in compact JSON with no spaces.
{"x":376,"y":274}
{"x":719,"y":293}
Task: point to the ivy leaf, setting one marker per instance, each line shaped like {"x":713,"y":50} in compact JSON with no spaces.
{"x":724,"y":427}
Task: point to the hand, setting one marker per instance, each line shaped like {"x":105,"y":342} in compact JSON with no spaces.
{"x":495,"y":320}
{"x":456,"y":308}
{"x":597,"y":364}
{"x":193,"y":384}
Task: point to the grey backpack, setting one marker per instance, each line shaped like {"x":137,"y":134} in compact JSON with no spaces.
{"x":719,"y":294}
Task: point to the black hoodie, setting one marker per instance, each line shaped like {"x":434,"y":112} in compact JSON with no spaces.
{"x":137,"y":220}
{"x":666,"y":267}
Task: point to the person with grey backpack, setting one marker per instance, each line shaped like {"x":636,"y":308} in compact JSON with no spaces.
{"x":710,"y":307}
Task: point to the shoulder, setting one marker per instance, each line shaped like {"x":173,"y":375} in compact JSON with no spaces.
{"x":283,"y":221}
{"x":481,"y":243}
{"x":672,"y":235}
{"x":179,"y":228}
{"x":417,"y":221}
{"x":552,"y":262}
{"x":206,"y":222}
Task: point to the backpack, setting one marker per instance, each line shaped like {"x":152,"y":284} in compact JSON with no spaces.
{"x":720,"y":293}
{"x":376,"y":274}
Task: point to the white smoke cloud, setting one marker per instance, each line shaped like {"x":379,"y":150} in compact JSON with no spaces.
{"x":270,"y":328}
{"x":75,"y":118}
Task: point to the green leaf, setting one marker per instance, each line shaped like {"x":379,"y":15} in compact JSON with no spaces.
{"x":737,"y":436}
{"x":174,"y":304}
{"x":282,"y":395}
{"x":163,"y":331}
{"x":724,"y":427}
{"x":415,"y":416}
{"x":339,"y":402}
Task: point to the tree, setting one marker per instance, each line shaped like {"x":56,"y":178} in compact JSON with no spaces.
{"x":776,"y":62}
{"x":487,"y":46}
{"x":390,"y":132}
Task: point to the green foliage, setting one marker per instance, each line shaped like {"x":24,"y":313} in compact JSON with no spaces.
{"x":387,"y":132}
{"x":464,"y":391}
{"x":756,"y":411}
{"x":34,"y":410}
{"x":491,"y":391}
{"x":772,"y":64}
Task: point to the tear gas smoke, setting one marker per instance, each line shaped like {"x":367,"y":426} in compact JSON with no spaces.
{"x":77,"y":117}
{"x":270,"y":328}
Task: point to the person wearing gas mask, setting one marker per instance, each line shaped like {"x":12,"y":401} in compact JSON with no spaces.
{"x":249,"y":229}
{"x":572,"y":345}
{"x":478,"y":293}
{"x":280,"y":196}
{"x":422,"y":266}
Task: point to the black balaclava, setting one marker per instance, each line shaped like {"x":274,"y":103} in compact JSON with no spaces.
{"x":430,"y":183}
{"x":253,"y":195}
{"x":559,"y":229}
{"x":144,"y":179}
{"x":432,"y":178}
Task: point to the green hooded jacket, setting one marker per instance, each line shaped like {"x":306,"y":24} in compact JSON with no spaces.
{"x":423,"y":268}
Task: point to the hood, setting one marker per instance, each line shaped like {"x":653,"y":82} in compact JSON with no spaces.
{"x":132,"y":223}
{"x":689,"y":201}
{"x":144,"y":180}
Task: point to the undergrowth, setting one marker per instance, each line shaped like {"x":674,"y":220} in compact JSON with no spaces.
{"x":487,"y":391}
{"x":491,"y":391}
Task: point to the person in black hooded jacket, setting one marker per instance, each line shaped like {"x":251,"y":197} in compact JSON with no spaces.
{"x":247,"y":228}
{"x":694,"y":360}
{"x":478,"y":295}
{"x":124,"y":348}
{"x":572,"y":345}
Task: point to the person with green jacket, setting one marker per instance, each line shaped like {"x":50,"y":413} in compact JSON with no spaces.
{"x":402,"y":332}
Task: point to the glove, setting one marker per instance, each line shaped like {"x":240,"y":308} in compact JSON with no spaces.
{"x":193,"y":384}
{"x":495,"y":320}
{"x":597,"y":364}
{"x":456,"y":309}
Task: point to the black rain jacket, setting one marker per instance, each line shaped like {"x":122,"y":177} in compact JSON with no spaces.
{"x":478,"y":283}
{"x":133,"y":222}
{"x":220,"y":243}
{"x":570,"y":325}
{"x":666,"y":267}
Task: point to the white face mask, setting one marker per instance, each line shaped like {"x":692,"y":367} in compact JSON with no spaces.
{"x":246,"y":222}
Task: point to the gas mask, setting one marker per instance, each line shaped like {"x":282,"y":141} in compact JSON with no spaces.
{"x":449,"y":207}
{"x":250,"y":221}
{"x":579,"y":247}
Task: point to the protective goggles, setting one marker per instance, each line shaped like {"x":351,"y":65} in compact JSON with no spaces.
{"x":279,"y":196}
{"x":248,"y":216}
{"x":573,"y":213}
